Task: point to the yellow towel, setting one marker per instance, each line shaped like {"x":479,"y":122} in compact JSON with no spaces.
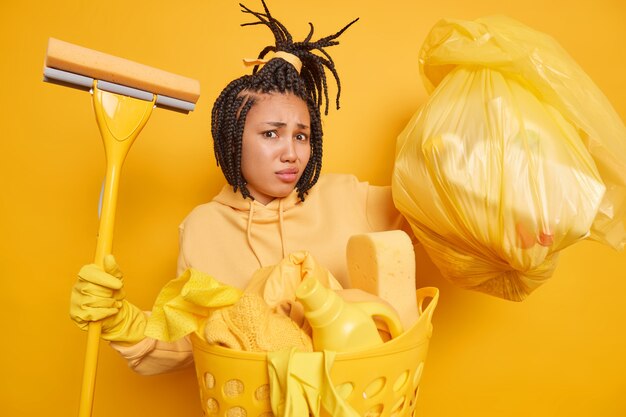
{"x":252,"y":326}
{"x":267,"y":317}
{"x":185,"y":302}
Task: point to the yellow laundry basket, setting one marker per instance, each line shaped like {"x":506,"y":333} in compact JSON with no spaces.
{"x":377,"y":382}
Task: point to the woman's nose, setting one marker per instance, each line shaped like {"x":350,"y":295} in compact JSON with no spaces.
{"x":289,"y":153}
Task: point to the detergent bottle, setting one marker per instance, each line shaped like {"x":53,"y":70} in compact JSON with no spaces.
{"x":339,"y":325}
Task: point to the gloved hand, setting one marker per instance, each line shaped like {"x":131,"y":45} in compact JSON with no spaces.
{"x":98,"y":296}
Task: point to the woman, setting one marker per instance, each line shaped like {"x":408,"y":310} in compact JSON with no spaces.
{"x":267,"y":136}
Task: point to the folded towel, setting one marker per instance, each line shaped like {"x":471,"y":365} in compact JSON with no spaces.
{"x":184,"y":303}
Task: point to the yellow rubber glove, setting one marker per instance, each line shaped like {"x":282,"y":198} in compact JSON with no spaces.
{"x":98,"y":296}
{"x":300,"y":384}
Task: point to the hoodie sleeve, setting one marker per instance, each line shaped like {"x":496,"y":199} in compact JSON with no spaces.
{"x":153,"y":357}
{"x":381,"y":213}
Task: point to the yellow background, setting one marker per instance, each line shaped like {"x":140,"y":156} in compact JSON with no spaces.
{"x":560,"y":353}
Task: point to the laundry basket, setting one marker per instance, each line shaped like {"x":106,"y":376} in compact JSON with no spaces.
{"x":377,"y":382}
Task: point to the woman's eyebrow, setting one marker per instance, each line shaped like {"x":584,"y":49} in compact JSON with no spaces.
{"x":276,"y":124}
{"x":283,"y":124}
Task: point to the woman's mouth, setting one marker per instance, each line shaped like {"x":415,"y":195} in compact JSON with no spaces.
{"x":288,"y":175}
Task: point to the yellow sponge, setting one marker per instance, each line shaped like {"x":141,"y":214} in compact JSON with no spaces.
{"x":383,"y":264}
{"x":98,"y":65}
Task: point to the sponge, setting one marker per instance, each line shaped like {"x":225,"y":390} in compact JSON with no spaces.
{"x":383,"y":264}
{"x":84,"y":61}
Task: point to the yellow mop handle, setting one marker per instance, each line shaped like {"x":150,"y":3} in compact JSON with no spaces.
{"x":120,"y":119}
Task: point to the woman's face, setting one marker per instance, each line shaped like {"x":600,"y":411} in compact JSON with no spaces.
{"x":276,"y":145}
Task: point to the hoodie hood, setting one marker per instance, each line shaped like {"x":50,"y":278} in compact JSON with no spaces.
{"x":258,"y":213}
{"x":235,"y":200}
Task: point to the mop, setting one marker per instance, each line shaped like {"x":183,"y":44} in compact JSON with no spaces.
{"x":123,"y":94}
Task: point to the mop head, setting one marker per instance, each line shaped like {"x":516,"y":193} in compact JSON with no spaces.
{"x":76,"y":66}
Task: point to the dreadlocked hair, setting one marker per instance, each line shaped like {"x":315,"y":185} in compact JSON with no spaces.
{"x":277,"y":76}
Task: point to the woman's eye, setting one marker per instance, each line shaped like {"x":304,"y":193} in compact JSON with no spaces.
{"x":302,"y":137}
{"x":270,"y":134}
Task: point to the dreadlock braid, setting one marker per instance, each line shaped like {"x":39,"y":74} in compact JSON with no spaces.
{"x":277,"y":76}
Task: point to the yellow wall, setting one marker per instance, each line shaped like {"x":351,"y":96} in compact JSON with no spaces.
{"x":560,"y":353}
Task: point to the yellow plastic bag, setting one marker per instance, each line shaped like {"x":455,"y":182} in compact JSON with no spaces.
{"x":515,"y":155}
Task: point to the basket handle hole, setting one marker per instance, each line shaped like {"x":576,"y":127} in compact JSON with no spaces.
{"x":375,"y":387}
{"x":212,"y":407}
{"x":418,"y":374}
{"x":398,"y":407}
{"x":262,"y":393}
{"x":209,"y":380}
{"x":236,"y":412}
{"x":401,"y":381}
{"x":375,"y":411}
{"x":344,"y":390}
{"x":233,"y":388}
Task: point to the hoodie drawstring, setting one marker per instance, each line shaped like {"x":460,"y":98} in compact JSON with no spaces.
{"x":281,"y":225}
{"x":249,"y":232}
